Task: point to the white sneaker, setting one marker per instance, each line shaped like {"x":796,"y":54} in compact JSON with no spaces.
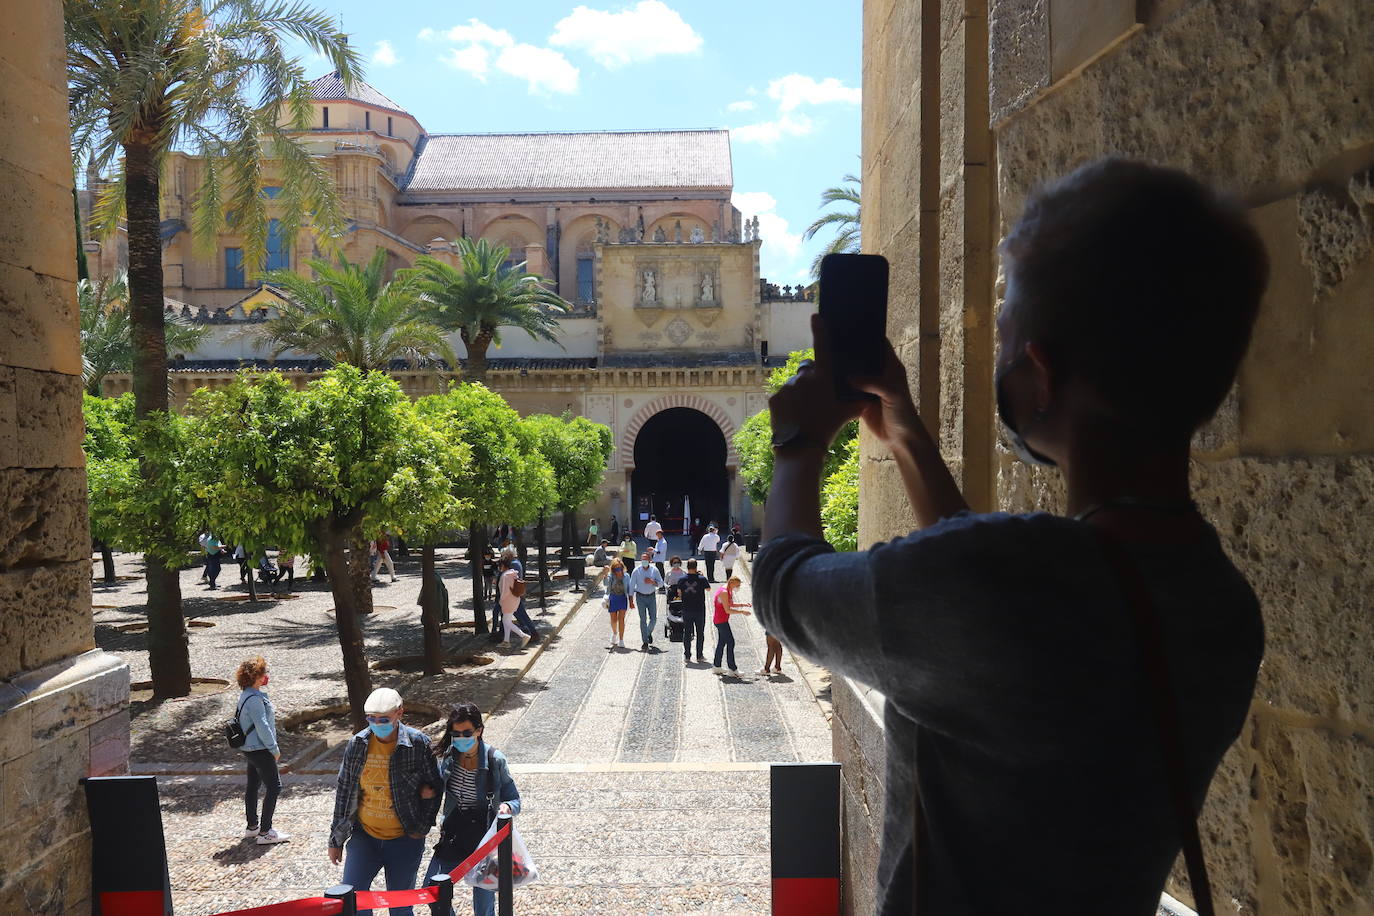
{"x":272,"y":836}
{"x":251,"y":833}
{"x":717,"y":670}
{"x":701,"y":659}
{"x":734,"y":672}
{"x":621,"y":642}
{"x":524,"y":642}
{"x":763,"y":671}
{"x":503,"y":644}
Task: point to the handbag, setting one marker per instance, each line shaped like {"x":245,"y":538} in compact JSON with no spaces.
{"x":1150,"y":645}
{"x":233,"y":731}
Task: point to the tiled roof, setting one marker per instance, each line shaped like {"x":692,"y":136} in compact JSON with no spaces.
{"x":706,"y":359}
{"x":330,"y":86}
{"x":605,"y":159}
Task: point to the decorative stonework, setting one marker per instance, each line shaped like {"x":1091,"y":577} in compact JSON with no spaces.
{"x":678,"y":331}
{"x":710,"y":408}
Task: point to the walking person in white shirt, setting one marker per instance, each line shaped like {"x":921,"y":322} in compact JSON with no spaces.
{"x":661,"y":555}
{"x":651,"y":530}
{"x":708,"y":544}
{"x":728,"y":555}
{"x":644,"y":585}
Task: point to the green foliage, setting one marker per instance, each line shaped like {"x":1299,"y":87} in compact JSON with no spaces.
{"x":345,"y":313}
{"x":577,"y":449}
{"x":754,"y":439}
{"x":127,"y":512}
{"x":507,"y":478}
{"x":106,"y":332}
{"x":840,"y":501}
{"x":216,"y":80}
{"x":299,"y":469}
{"x":847,"y":238}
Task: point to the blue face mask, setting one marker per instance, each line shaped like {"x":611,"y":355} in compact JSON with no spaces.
{"x":464,"y":744}
{"x":382,"y":729}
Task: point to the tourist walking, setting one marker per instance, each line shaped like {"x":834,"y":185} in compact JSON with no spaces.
{"x":387,"y":798}
{"x":509,"y":589}
{"x":691,"y":589}
{"x":644,"y":585}
{"x":773,"y":658}
{"x":522,"y":617}
{"x":258,"y":720}
{"x":214,"y":559}
{"x":617,"y":601}
{"x":729,"y":553}
{"x":241,"y":556}
{"x":675,"y":571}
{"x":708,"y":544}
{"x":615,"y":531}
{"x":477,"y":787}
{"x":381,"y":556}
{"x":593,"y":532}
{"x":1131,"y":292}
{"x":725,"y":605}
{"x":661,"y":554}
{"x":652,"y":529}
{"x":628,"y":548}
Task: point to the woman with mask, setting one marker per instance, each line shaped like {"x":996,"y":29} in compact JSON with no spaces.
{"x":477,"y":787}
{"x":617,"y":601}
{"x":258,"y":720}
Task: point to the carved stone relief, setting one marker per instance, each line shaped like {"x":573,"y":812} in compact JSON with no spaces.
{"x":678,"y":331}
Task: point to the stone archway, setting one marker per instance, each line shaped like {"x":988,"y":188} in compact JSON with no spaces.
{"x":696,"y":402}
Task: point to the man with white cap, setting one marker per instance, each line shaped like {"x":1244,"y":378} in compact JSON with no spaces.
{"x":388,"y":796}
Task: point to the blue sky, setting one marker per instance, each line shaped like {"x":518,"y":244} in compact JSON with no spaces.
{"x":784,"y":76}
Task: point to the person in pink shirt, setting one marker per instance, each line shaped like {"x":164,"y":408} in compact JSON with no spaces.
{"x":725,"y":639}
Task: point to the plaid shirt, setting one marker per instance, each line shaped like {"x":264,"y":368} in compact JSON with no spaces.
{"x":412,"y":766}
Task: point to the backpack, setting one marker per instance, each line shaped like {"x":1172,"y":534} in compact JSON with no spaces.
{"x":517,"y":587}
{"x":233,"y":731}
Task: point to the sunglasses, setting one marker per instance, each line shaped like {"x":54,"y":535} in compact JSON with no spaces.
{"x":465,"y":733}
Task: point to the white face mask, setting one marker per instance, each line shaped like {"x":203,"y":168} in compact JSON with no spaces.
{"x":644,"y":564}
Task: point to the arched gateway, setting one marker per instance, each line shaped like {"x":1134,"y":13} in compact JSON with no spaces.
{"x":679,"y":456}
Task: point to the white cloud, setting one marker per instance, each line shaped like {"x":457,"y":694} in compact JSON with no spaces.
{"x":473,"y":59}
{"x":766,"y":133}
{"x":478,"y":32}
{"x":637,"y":33}
{"x":773,"y":229}
{"x":794,"y":89}
{"x":385,"y":55}
{"x":545,"y":70}
{"x":745,"y":105}
{"x":425,"y":34}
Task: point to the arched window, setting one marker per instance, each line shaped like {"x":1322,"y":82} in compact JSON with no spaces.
{"x":278,"y":255}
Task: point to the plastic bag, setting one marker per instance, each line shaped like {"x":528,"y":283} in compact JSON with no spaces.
{"x":486,"y":874}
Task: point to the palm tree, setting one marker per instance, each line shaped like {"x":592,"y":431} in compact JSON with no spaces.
{"x":147,"y":76}
{"x":106,"y":333}
{"x":846,"y":222}
{"x":346,"y":314}
{"x":482,"y":295}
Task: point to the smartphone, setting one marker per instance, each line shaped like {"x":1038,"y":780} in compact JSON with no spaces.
{"x":854,"y":308}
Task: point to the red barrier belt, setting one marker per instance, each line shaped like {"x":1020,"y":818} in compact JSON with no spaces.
{"x":375,"y":900}
{"x":311,"y":906}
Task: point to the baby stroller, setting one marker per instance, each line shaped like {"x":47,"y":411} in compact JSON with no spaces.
{"x":672,"y":629}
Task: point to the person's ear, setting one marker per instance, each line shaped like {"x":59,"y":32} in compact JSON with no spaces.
{"x":1042,"y":374}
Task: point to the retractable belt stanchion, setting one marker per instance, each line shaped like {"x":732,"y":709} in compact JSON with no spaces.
{"x":805,"y":803}
{"x":443,"y":903}
{"x":505,"y":887}
{"x":345,"y":893}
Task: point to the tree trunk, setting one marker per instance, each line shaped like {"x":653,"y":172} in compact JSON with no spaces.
{"x":518,"y":533}
{"x":360,"y":572}
{"x":570,"y":542}
{"x":429,"y":613}
{"x":168,"y":650}
{"x":476,"y":369}
{"x":543,"y":537}
{"x":107,"y":563}
{"x":477,"y":546}
{"x":252,"y":578}
{"x":357,"y":677}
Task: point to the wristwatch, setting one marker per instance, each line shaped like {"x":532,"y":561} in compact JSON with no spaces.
{"x":789,"y":435}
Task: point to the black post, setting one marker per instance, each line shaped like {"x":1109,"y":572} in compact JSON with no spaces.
{"x":505,"y":886}
{"x":543,"y":566}
{"x":443,"y":903}
{"x":349,"y":897}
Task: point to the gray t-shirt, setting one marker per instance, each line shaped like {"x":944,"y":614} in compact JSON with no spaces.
{"x":1009,"y":660}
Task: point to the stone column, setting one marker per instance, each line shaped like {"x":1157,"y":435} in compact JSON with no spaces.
{"x":535,"y":262}
{"x":63,"y":703}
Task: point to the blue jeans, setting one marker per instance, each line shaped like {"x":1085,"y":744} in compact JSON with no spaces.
{"x":647,"y":605}
{"x":725,"y":642}
{"x":483,"y":900}
{"x":365,"y":855}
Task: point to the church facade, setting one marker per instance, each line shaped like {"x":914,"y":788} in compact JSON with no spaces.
{"x":669,"y":328}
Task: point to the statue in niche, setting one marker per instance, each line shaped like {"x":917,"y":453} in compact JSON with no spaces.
{"x":749,"y":334}
{"x":697,"y":235}
{"x":603,"y":231}
{"x":606,"y":341}
{"x":650,"y":286}
{"x":660,"y":235}
{"x":715,"y":231}
{"x":677,"y":232}
{"x":708,"y":288}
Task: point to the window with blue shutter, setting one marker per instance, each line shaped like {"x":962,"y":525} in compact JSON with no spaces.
{"x":278,"y":257}
{"x":585,"y":287}
{"x":233,"y":268}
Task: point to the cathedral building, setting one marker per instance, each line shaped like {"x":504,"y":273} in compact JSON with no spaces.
{"x":669,"y":328}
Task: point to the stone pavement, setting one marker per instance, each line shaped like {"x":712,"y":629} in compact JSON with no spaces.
{"x":645,"y":784}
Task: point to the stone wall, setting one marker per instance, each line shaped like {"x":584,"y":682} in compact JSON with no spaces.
{"x":63,"y":704}
{"x":1270,"y":99}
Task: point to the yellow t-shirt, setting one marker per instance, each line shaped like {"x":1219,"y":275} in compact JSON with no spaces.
{"x":376,"y":812}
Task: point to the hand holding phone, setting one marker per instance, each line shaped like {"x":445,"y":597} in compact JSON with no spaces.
{"x":854,"y":308}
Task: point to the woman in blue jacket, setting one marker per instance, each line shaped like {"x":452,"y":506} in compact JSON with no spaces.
{"x":477,"y":787}
{"x":258,"y":720}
